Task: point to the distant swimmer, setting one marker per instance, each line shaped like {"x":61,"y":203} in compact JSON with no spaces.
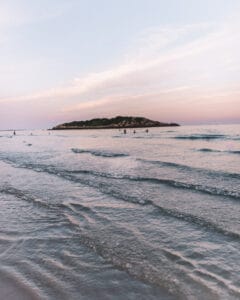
{"x":14,"y":132}
{"x":146,"y":130}
{"x":124,"y":131}
{"x":134,"y":131}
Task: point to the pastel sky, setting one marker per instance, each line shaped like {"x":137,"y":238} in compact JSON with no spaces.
{"x":64,"y":60}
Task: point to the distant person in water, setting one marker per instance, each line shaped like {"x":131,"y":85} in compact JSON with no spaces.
{"x":14,"y":132}
{"x":134,"y":131}
{"x":124,"y":131}
{"x":147,"y":130}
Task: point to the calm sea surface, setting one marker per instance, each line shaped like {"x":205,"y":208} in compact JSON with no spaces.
{"x":102,"y":215}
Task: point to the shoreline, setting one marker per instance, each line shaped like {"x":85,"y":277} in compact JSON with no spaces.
{"x":101,"y":127}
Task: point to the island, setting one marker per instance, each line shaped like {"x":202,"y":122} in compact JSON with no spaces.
{"x":117,"y":122}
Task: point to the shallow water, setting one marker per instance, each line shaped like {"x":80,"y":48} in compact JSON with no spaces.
{"x":103,"y":215}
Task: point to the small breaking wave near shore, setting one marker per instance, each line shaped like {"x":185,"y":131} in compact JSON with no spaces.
{"x":219,"y":151}
{"x":103,"y":153}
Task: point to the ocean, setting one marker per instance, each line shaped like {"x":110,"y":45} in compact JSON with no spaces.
{"x":98,"y":214}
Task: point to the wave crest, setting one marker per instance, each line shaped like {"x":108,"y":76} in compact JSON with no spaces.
{"x":200,"y":137}
{"x":219,"y":151}
{"x":102,"y":153}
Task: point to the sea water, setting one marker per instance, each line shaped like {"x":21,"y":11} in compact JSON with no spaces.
{"x":98,"y":214}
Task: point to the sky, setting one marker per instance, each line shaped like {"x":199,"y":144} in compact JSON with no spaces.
{"x":171,"y":61}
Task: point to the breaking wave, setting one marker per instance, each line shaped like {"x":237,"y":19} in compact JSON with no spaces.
{"x":102,"y":153}
{"x":200,"y":137}
{"x":234,"y":151}
{"x":219,"y":151}
{"x":209,"y":150}
{"x":192,"y":169}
